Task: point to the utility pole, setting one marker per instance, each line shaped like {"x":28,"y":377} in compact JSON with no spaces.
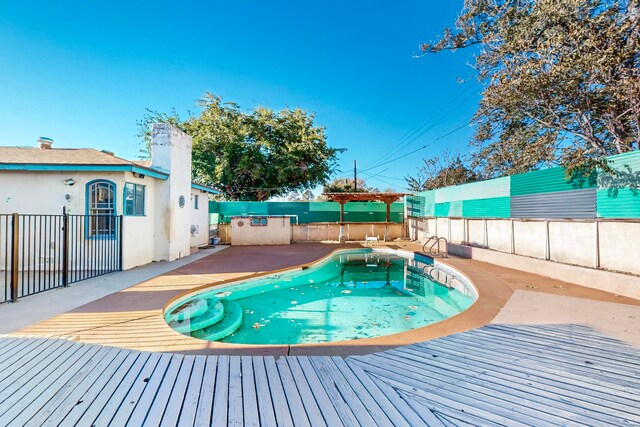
{"x":355,"y":178}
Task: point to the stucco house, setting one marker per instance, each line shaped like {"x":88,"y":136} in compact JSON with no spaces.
{"x":165,"y":214}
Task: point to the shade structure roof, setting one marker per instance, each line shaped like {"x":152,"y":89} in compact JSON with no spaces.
{"x":343,"y":198}
{"x":364,"y":197}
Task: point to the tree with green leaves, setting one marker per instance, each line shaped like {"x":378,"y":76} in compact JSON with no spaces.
{"x":562,"y":81}
{"x":437,"y":173}
{"x":252,"y":155}
{"x":345,"y":185}
{"x":305,"y":196}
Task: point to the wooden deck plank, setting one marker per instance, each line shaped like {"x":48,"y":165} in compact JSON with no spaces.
{"x":446,"y":382}
{"x":99,"y":392}
{"x":7,"y":342}
{"x":345,"y":376}
{"x":565,"y":345}
{"x":178,"y":393}
{"x":351,"y":413}
{"x":314,"y":413}
{"x":329,"y":410}
{"x":113,"y":392}
{"x":64,"y":397}
{"x":17,"y":386}
{"x":131,"y":387}
{"x":265,"y":404}
{"x":549,"y":361}
{"x":521,"y":375}
{"x":421,"y":405}
{"x":298,"y":412}
{"x":141,"y":392}
{"x":538,"y":365}
{"x":30,"y":356}
{"x":280,"y":404}
{"x":57,"y":409}
{"x":153,"y":403}
{"x":394,"y":407}
{"x":235,"y":417}
{"x":205,"y":402}
{"x":221,"y":394}
{"x":458,"y":400}
{"x":414,"y":414}
{"x":192,"y":397}
{"x":524,"y":396}
{"x":15,"y":345}
{"x":44,"y":390}
{"x":498,"y":375}
{"x":249,"y":398}
{"x":576,"y":335}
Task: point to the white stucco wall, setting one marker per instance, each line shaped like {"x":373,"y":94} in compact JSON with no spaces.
{"x":36,"y":192}
{"x":609,"y":244}
{"x":43,"y":192}
{"x":276,"y":232}
{"x":199,"y":218}
{"x":171,"y":151}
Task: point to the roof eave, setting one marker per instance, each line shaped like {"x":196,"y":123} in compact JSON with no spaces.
{"x":85,"y":168}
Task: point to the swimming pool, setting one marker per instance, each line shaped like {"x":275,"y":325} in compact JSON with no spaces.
{"x":353,"y":294}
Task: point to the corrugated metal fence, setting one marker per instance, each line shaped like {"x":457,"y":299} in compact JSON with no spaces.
{"x":538,"y":194}
{"x":309,"y":212}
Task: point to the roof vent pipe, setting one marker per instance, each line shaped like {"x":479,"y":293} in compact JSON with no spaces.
{"x":45,"y":143}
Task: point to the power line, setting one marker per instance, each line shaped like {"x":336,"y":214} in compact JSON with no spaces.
{"x":406,"y":143}
{"x":416,"y":150}
{"x":404,"y":140}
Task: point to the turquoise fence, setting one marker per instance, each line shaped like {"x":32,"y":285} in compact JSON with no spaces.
{"x":307,"y":212}
{"x":538,"y":194}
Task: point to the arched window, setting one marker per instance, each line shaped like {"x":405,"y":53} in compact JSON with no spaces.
{"x":101,"y":206}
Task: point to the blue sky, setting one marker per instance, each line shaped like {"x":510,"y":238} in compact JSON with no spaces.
{"x":83,"y":72}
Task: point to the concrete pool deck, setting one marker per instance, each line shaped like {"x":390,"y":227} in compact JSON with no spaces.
{"x":132,"y":318}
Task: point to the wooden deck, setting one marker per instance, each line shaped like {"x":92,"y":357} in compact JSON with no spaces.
{"x":494,"y":376}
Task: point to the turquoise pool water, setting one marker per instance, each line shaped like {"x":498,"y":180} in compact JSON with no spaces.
{"x":354,"y":294}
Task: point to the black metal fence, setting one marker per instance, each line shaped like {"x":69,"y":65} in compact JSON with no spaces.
{"x":43,"y":252}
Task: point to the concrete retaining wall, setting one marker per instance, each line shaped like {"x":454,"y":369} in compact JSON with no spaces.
{"x":595,"y":244}
{"x":328,"y":231}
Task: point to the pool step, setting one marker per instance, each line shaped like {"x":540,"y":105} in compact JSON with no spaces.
{"x":231,"y":321}
{"x":213,"y":314}
{"x":188,"y":310}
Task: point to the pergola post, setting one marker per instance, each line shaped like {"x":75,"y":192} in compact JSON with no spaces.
{"x":388,"y":220}
{"x":342,"y":198}
{"x":388,"y":203}
{"x":342,"y":238}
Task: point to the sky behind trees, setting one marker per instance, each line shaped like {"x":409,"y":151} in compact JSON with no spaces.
{"x":83,"y":73}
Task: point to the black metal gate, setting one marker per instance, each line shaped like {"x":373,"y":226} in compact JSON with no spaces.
{"x":43,"y":252}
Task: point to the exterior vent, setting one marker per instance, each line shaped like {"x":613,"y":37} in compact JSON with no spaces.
{"x":45,"y":143}
{"x":107,"y":152}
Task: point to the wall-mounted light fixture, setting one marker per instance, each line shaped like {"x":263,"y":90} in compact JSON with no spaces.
{"x":67,"y":196}
{"x":69,"y":181}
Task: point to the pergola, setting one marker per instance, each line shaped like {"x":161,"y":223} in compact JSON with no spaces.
{"x":343,"y":198}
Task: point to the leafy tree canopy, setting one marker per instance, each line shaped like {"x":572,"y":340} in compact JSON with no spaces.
{"x":254,"y":155}
{"x":562,"y":81}
{"x":437,"y":173}
{"x":305,"y":196}
{"x":345,"y":185}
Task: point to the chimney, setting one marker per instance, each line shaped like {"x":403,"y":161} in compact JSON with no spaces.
{"x":45,"y":143}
